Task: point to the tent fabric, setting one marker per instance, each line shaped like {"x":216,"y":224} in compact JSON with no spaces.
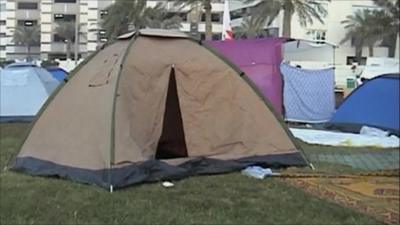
{"x":308,"y":94}
{"x":58,"y":73}
{"x":259,"y":59}
{"x":24,"y":89}
{"x":118,"y":104}
{"x":374,"y":103}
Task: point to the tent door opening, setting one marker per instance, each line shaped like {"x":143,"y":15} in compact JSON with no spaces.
{"x":172,"y":142}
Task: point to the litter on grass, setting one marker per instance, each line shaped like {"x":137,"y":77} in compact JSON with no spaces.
{"x":167,"y":184}
{"x":258,"y":172}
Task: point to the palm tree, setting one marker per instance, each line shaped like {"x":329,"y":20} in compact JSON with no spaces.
{"x":207,"y":8}
{"x":28,"y":36}
{"x":365,"y":28}
{"x":66,"y":30}
{"x":307,"y":11}
{"x":158,"y":17}
{"x":392,"y":10}
{"x":124,"y":16}
{"x":251,"y":27}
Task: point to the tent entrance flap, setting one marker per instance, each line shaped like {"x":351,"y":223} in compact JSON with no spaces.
{"x":172,"y":142}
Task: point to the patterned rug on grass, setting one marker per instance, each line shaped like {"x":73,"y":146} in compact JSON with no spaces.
{"x":375,"y":196}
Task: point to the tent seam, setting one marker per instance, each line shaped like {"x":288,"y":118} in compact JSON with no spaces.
{"x":112,"y":141}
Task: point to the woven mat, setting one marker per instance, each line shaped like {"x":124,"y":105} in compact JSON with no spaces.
{"x":375,"y":196}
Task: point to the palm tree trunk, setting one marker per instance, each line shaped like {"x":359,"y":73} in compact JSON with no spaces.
{"x":397,"y":47}
{"x":359,"y":53}
{"x":28,"y":54}
{"x":69,"y":49}
{"x":371,"y":50}
{"x":393,"y":49}
{"x":250,"y":35}
{"x":207,"y":8}
{"x":287,"y":20}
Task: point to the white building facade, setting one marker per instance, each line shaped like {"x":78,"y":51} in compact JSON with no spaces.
{"x":333,"y":31}
{"x":3,"y":29}
{"x":47,"y":13}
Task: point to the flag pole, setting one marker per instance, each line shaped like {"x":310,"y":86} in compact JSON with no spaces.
{"x":77,"y":18}
{"x":227,"y":33}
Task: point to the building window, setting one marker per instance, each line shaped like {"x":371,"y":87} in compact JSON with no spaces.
{"x":2,"y":7}
{"x":352,"y":59}
{"x":27,"y":23}
{"x":216,"y":37}
{"x":27,"y":5}
{"x":64,"y":17}
{"x":2,"y":47}
{"x":2,"y":34}
{"x":64,"y":1}
{"x":238,"y":13}
{"x":58,"y":38}
{"x":317,"y":35}
{"x":215,"y":17}
{"x":102,"y":35}
{"x":2,"y":22}
{"x":103,"y":13}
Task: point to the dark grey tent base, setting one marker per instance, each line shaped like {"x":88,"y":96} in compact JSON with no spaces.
{"x":16,"y":119}
{"x":151,"y":171}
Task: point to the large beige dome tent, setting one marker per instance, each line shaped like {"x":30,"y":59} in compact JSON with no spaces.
{"x":151,"y":106}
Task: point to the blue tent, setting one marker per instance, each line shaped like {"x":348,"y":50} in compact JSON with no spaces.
{"x":24,"y":89}
{"x":375,"y":103}
{"x":59,"y":73}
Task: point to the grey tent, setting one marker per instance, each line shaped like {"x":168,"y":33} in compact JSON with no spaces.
{"x":151,"y":106}
{"x":24,"y":88}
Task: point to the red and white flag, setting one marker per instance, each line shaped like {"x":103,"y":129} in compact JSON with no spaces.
{"x":227,"y":33}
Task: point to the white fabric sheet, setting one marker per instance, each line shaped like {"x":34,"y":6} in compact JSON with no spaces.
{"x":322,"y":137}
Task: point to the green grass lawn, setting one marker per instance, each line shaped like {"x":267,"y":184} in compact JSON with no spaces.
{"x":219,"y":199}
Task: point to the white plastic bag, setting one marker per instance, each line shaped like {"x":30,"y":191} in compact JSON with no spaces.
{"x":257,"y":172}
{"x":371,"y":131}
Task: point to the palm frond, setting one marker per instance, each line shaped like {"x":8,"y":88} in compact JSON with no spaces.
{"x":27,"y":35}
